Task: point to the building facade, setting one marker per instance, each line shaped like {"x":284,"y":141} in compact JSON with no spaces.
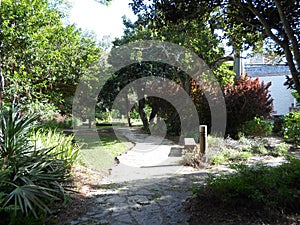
{"x":276,"y":74}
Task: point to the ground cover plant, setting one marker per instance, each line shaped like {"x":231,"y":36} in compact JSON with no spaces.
{"x":257,"y":194}
{"x":228,"y":150}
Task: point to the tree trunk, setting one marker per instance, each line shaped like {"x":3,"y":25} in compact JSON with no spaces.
{"x":142,"y":113}
{"x":90,"y":122}
{"x":153,"y":113}
{"x":128,"y":111}
{"x":129,"y":119}
{"x":292,"y":67}
{"x":237,"y":65}
{"x":1,"y":85}
{"x":141,"y":101}
{"x":287,"y":41}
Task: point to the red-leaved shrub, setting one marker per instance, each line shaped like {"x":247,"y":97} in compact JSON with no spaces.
{"x":245,"y":99}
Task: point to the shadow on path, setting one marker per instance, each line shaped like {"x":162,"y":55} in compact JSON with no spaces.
{"x":145,"y":201}
{"x":147,"y":187}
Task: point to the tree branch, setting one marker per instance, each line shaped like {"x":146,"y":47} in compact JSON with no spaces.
{"x":289,"y":31}
{"x":265,"y":23}
{"x":221,"y":60}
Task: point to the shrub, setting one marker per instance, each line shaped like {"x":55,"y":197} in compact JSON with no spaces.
{"x":193,"y":158}
{"x":261,"y":149}
{"x":257,"y":127}
{"x":219,"y":158}
{"x":63,"y":147}
{"x":30,"y":177}
{"x":225,"y":150}
{"x":241,"y":156}
{"x":263,"y":146}
{"x":291,"y":127}
{"x":61,"y":122}
{"x":278,"y":122}
{"x":246,"y":99}
{"x":280,"y":149}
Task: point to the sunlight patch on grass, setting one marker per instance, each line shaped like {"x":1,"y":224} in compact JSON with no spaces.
{"x":99,"y":153}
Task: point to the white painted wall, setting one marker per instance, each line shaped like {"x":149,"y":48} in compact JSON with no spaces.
{"x":281,"y":95}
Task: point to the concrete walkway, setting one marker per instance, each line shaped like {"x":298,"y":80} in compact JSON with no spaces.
{"x":148,"y":186}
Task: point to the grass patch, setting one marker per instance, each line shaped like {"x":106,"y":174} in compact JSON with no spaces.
{"x":99,"y":153}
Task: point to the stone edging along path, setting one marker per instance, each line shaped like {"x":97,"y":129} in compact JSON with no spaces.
{"x":146,"y":187}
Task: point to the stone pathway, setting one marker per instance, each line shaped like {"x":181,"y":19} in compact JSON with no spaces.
{"x":147,"y":187}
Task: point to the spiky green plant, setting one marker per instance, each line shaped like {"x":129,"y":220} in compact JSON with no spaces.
{"x":62,"y":146}
{"x":30,"y":177}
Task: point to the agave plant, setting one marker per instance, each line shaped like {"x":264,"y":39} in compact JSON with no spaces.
{"x":30,"y":177}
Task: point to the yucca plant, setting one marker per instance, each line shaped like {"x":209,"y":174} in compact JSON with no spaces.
{"x":30,"y":177}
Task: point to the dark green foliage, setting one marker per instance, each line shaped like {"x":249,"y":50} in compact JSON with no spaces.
{"x":41,"y":57}
{"x":194,"y":35}
{"x":30,"y":177}
{"x":275,"y":187}
{"x":66,"y":123}
{"x":246,"y":24}
{"x":278,"y":122}
{"x":258,"y":127}
{"x":291,"y":127}
{"x":246,"y":99}
{"x":201,"y":103}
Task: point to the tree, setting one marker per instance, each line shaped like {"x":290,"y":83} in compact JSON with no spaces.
{"x":193,"y":35}
{"x":246,"y":23}
{"x":276,"y":20}
{"x":41,"y":58}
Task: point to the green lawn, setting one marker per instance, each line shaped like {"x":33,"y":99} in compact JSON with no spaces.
{"x":99,"y":153}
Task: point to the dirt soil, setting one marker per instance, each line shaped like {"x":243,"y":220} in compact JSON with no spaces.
{"x":208,"y":212}
{"x":84,"y":180}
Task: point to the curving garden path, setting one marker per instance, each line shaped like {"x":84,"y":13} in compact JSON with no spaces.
{"x":148,"y":186}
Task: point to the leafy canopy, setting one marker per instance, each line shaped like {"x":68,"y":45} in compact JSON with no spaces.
{"x":41,"y":58}
{"x":245,"y":23}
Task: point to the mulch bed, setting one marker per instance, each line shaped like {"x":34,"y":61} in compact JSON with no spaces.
{"x":209,"y":212}
{"x":84,"y":180}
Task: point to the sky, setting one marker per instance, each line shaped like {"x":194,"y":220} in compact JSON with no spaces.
{"x":103,"y":20}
